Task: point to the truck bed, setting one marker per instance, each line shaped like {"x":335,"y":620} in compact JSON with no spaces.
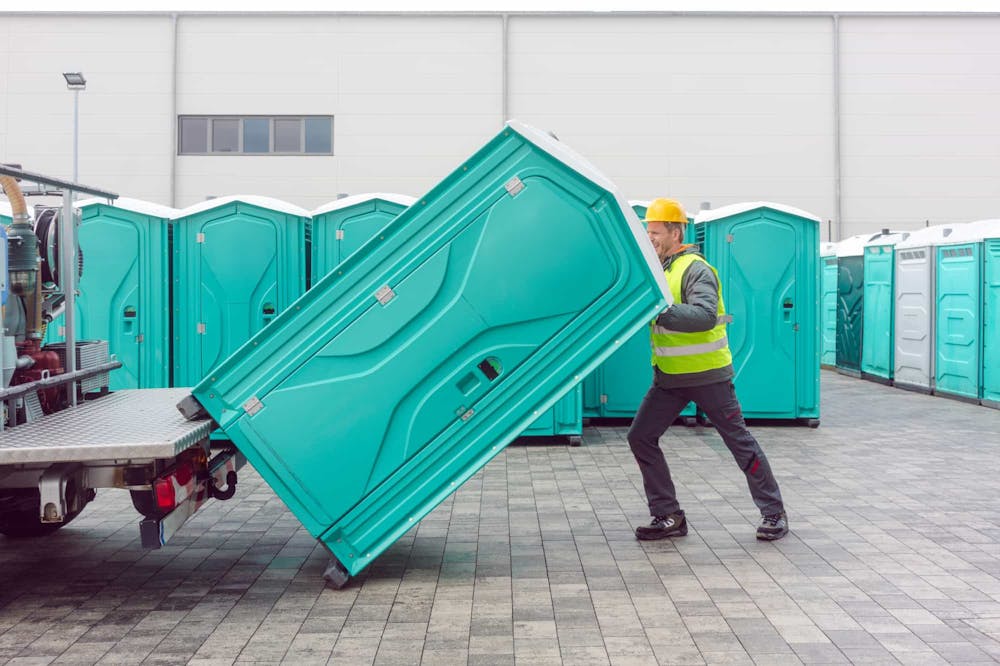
{"x":140,"y":424}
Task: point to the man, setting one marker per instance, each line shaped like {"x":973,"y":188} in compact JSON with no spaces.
{"x":692,"y":362}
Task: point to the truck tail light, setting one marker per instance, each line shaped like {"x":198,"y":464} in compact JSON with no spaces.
{"x":165,"y":496}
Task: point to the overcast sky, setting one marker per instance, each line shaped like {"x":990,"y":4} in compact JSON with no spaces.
{"x":516,"y":5}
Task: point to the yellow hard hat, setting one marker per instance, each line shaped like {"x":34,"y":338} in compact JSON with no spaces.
{"x":665,"y":210}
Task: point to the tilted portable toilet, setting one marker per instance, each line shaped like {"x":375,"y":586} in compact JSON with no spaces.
{"x":991,"y":317}
{"x":616,"y":388}
{"x":124,"y":291}
{"x":828,"y":304}
{"x":239,"y":261}
{"x":362,"y":430}
{"x":850,"y":302}
{"x":959,"y":310}
{"x":767,"y":256}
{"x":879,"y":298}
{"x":340,"y":227}
{"x":913,"y":332}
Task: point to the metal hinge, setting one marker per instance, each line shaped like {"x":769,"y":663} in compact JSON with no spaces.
{"x":200,"y":238}
{"x":252,"y":406}
{"x":201,"y":328}
{"x":795,"y":327}
{"x":604,"y":399}
{"x":468,"y":415}
{"x":140,"y":337}
{"x":340,"y":234}
{"x":384,"y":294}
{"x":729,"y":238}
{"x":514,"y":186}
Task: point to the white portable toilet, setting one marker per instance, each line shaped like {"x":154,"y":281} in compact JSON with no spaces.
{"x":913,"y":339}
{"x":828,"y":304}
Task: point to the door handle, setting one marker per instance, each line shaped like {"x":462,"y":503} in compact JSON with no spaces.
{"x":786,"y":308}
{"x":129,"y":316}
{"x":267,"y":313}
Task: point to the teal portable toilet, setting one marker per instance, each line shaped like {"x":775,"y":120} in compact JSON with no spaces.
{"x":991,"y":317}
{"x":879,"y":298}
{"x":828,"y":304}
{"x":362,"y":431}
{"x":850,"y":302}
{"x":616,"y":388}
{"x":239,"y":261}
{"x":563,"y":419}
{"x":913,"y":332}
{"x":340,"y":227}
{"x":960,"y":297}
{"x":124,"y":291}
{"x":767,"y":256}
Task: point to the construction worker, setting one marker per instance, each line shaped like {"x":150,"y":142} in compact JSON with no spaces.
{"x":692,"y":363}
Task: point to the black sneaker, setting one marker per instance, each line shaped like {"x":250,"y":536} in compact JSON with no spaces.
{"x":662,"y":527}
{"x":772,"y":527}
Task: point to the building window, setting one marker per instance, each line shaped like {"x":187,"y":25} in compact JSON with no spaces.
{"x":288,"y":135}
{"x":255,"y":135}
{"x":193,"y":135}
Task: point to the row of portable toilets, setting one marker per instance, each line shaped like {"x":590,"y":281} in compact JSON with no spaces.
{"x":177,"y":291}
{"x":920,"y":309}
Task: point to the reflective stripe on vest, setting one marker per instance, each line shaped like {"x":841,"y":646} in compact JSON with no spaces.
{"x":688,"y":350}
{"x":675,"y":352}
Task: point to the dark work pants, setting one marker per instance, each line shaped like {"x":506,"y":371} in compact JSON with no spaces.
{"x":661,"y":407}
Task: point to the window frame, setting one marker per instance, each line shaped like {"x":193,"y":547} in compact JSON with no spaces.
{"x":209,"y":138}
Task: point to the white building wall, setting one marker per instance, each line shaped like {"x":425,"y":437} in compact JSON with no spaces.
{"x":411,"y":98}
{"x":126,"y":127}
{"x":697,"y":108}
{"x":703,"y":108}
{"x":920,"y":121}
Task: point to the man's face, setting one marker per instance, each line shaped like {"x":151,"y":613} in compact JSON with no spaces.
{"x":665,"y":241}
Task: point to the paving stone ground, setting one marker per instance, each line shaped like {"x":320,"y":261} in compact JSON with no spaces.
{"x":894,"y":557}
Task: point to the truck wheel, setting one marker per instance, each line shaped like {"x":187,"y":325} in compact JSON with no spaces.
{"x":145,"y":503}
{"x":20,"y":515}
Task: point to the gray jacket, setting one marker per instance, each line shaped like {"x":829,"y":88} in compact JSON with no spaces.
{"x":697,"y":311}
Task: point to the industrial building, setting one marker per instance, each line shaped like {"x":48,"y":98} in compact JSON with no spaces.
{"x":868,"y":121}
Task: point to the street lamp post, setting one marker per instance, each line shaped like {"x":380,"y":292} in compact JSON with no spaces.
{"x":67,"y":235}
{"x":76,"y":83}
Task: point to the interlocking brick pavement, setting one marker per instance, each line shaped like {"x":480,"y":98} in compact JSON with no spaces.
{"x":894,"y":557}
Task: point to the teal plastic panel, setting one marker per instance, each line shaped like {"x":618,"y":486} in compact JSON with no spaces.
{"x":828,"y":310}
{"x":627,"y":375}
{"x":124,"y":291}
{"x":565,"y":418}
{"x":343,"y":226}
{"x":237,"y":266}
{"x":879,"y":297}
{"x":387,"y":386}
{"x":959,"y":320}
{"x":991,"y":323}
{"x":768,"y":259}
{"x":850,"y":312}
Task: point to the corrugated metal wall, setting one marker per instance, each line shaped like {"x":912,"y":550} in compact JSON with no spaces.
{"x":718,"y":108}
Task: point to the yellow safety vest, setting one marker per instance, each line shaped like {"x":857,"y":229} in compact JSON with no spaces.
{"x":676,"y":353}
